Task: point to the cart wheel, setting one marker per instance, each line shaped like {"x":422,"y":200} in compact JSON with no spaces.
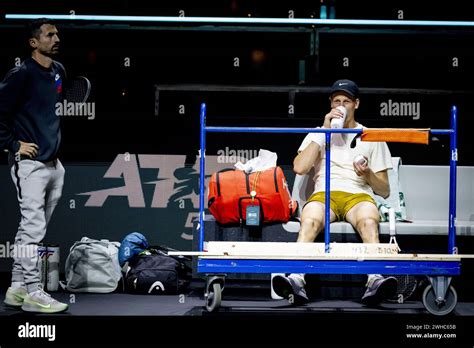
{"x":213,"y":301}
{"x":439,"y":308}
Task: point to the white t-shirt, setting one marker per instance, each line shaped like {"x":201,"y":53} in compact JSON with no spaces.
{"x":343,"y":175}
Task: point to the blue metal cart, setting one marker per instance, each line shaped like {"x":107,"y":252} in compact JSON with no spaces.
{"x":439,"y":298}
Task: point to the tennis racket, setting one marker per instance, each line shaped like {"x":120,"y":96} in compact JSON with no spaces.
{"x":77,"y":90}
{"x":407,"y":285}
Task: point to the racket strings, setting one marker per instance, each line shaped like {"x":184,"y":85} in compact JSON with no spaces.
{"x":407,"y":284}
{"x":77,"y":91}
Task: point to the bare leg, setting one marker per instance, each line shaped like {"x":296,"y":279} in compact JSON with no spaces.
{"x":312,"y":221}
{"x":364,"y":217}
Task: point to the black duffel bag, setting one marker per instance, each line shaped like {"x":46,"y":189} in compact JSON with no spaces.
{"x":154,"y":272}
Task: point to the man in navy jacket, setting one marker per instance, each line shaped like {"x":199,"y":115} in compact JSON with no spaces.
{"x":30,"y":131}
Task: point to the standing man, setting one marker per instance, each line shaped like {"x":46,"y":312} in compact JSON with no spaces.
{"x":29,"y":130}
{"x":352,"y":188}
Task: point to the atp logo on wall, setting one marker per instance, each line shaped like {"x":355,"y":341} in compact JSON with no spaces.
{"x":175,"y":184}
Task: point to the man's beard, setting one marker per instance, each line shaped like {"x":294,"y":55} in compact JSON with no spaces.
{"x":52,"y":52}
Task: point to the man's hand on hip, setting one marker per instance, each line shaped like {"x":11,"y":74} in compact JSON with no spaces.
{"x":28,"y":149}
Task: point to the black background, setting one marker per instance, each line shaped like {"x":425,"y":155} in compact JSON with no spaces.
{"x":126,"y":120}
{"x":380,"y":57}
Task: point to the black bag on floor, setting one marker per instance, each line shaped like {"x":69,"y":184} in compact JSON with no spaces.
{"x":154,"y":272}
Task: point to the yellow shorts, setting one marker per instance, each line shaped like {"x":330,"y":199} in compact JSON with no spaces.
{"x":341,"y":202}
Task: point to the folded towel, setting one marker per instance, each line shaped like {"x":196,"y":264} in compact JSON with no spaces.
{"x":396,"y":199}
{"x":265,"y":160}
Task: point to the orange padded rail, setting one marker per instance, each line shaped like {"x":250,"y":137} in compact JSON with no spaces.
{"x":397,"y":135}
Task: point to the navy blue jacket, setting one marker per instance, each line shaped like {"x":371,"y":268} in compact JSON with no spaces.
{"x":28,"y":99}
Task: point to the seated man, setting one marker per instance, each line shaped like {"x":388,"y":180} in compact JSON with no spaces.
{"x":353,"y":185}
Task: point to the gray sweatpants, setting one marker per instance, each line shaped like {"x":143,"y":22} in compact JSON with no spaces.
{"x":39,"y":187}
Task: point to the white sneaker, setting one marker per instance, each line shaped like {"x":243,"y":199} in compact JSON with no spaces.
{"x":291,"y":289}
{"x":379,"y":289}
{"x":42,"y":302}
{"x":15,"y":296}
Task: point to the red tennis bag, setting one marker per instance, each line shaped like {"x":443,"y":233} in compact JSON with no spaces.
{"x":231,"y":191}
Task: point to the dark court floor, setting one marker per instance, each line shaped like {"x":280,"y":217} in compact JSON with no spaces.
{"x":192,"y":303}
{"x":237,"y":297}
{"x":247,"y":308}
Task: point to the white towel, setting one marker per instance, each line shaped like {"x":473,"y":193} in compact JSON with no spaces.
{"x":396,"y":199}
{"x":265,"y":160}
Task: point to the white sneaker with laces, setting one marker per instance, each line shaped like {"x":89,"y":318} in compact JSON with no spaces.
{"x":40,"y":301}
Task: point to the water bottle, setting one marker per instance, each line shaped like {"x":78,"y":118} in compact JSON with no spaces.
{"x":53,"y":268}
{"x":339,"y":122}
{"x":332,"y":12}
{"x":323,"y":14}
{"x":43,"y":264}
